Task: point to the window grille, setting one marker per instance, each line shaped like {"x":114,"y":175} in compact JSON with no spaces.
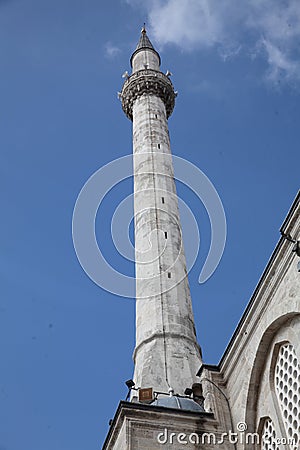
{"x":268,"y":436}
{"x":287,"y":386}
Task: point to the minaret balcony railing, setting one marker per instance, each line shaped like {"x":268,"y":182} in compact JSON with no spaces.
{"x":147,"y":81}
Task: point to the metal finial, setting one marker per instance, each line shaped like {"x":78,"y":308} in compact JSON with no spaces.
{"x":144,"y":28}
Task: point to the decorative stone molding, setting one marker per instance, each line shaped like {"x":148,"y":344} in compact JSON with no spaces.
{"x":163,"y":336}
{"x":147,"y":81}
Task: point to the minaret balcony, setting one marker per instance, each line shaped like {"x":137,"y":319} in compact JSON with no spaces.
{"x":151,"y":82}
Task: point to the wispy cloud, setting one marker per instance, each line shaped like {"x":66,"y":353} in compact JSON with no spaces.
{"x":230,"y":51}
{"x":272,"y":27}
{"x":281,"y":65}
{"x":111,"y":51}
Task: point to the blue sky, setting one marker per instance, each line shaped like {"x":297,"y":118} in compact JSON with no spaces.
{"x":66,"y":344}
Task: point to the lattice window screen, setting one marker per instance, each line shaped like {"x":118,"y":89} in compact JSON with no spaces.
{"x":268,"y":436}
{"x":287,"y":386}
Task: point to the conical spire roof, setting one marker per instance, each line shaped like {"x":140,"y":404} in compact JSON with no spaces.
{"x":144,"y":43}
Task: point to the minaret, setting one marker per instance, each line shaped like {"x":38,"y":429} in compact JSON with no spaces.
{"x":166,"y":356}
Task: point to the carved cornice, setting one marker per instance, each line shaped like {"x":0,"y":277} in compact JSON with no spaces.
{"x":151,"y":82}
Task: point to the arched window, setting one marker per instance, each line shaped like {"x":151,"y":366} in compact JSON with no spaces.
{"x":268,"y":436}
{"x":287,"y":387}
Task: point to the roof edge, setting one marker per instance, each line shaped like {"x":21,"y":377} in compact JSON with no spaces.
{"x":143,"y":407}
{"x":260,"y":282}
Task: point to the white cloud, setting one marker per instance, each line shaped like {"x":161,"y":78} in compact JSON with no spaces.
{"x":186,"y":23}
{"x":232,"y":26}
{"x":111,"y":51}
{"x":281,"y":67}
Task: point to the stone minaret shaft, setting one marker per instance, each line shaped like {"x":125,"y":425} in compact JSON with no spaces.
{"x":166,"y":354}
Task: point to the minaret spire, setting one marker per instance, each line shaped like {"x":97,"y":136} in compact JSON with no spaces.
{"x":144,"y":45}
{"x":167,"y":356}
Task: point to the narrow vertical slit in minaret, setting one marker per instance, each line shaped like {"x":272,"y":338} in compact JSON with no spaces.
{"x":158,"y":145}
{"x":169,"y":274}
{"x":155,"y":116}
{"x":163,"y":199}
{"x":166,"y":235}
